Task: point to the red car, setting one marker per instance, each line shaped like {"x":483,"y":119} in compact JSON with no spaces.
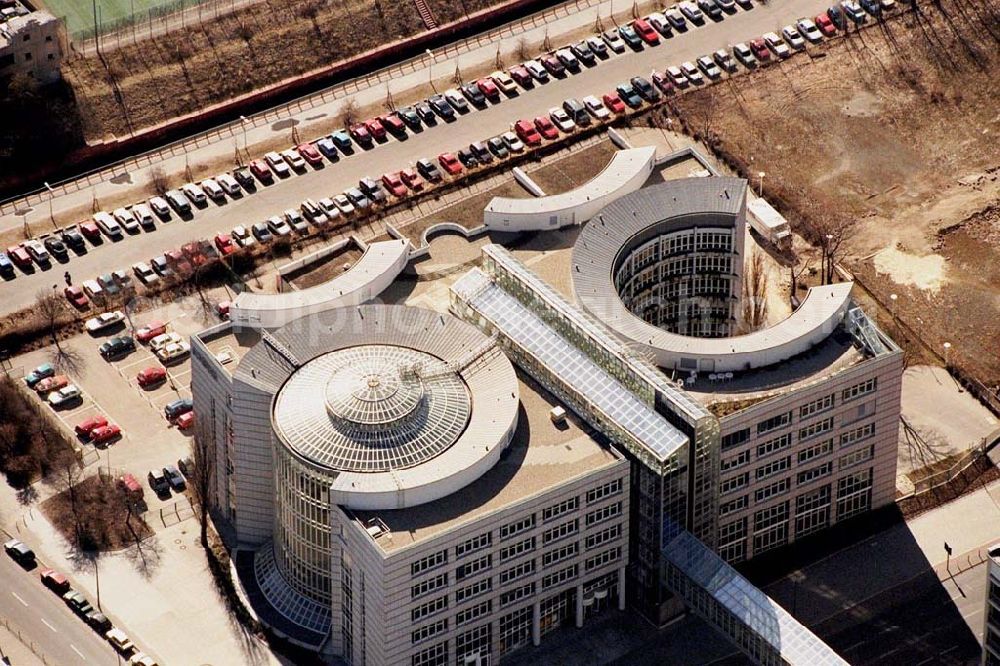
{"x":309,"y":153}
{"x":521,"y":74}
{"x":86,"y":428}
{"x":150,"y":331}
{"x":105,"y":433}
{"x":151,"y":376}
{"x":646,"y":31}
{"x":185,"y":421}
{"x":546,"y":128}
{"x":54,"y":580}
{"x":411,"y":179}
{"x":662,"y":81}
{"x":52,"y":384}
{"x":450,"y":163}
{"x":260,"y":169}
{"x":222,"y":309}
{"x":825,"y":25}
{"x":393,"y":123}
{"x":193,"y":252}
{"x":180,"y":263}
{"x":19,"y":256}
{"x":361,"y":134}
{"x":225,"y":244}
{"x":90,"y":230}
{"x":394,"y":184}
{"x":76,"y":296}
{"x":614,"y":102}
{"x":759,"y":48}
{"x":375,"y":128}
{"x":526,"y":132}
{"x":489,"y":89}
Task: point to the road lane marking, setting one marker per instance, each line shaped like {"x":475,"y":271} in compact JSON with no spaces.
{"x":25,"y":603}
{"x":48,"y":625}
{"x":73,"y":647}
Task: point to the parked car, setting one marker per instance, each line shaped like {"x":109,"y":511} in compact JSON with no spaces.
{"x":489,"y":89}
{"x":278,"y":226}
{"x":54,"y":580}
{"x":526,"y":132}
{"x":426,"y":112}
{"x":411,"y":179}
{"x":55,"y":248}
{"x":614,"y":41}
{"x":145,"y":273}
{"x":160,"y":206}
{"x":327,"y":147}
{"x":708,"y":66}
{"x":86,"y":427}
{"x":777,"y":45}
{"x":310,"y":153}
{"x":394,"y":184}
{"x":676,"y":18}
{"x":67,"y":395}
{"x":724,"y":61}
{"x":442,"y":107}
{"x":129,"y":485}
{"x":457,"y":101}
{"x":376,"y":129}
{"x":743,"y":53}
{"x":596,"y":107}
{"x":545,"y":127}
{"x":153,"y":329}
{"x":553,"y":65}
{"x":38,"y":374}
{"x":178,"y":201}
{"x":120,"y":641}
{"x":342,"y":140}
{"x":759,"y":49}
{"x":428,"y":170}
{"x":792,"y":36}
{"x":98,"y":621}
{"x":660,"y":23}
{"x":357,"y":198}
{"x":77,"y":603}
{"x":497,"y":147}
{"x":177,"y":407}
{"x":158,"y":482}
{"x":74,"y":294}
{"x":691,"y":12}
{"x":277,"y":164}
{"x":482,"y":153}
{"x":450,"y":163}
{"x":561,"y":119}
{"x":372,"y":190}
{"x":809,"y":30}
{"x":125,"y":218}
{"x":583,"y":53}
{"x":261,"y":172}
{"x":522,"y":76}
{"x":691,"y":73}
{"x":505,"y":82}
{"x":213,"y":190}
{"x":646,"y":31}
{"x":105,"y":434}
{"x":173,"y":352}
{"x":410,"y":117}
{"x":20,"y":553}
{"x":261,"y":232}
{"x":195,"y":194}
{"x":514,"y":144}
{"x":317,"y":213}
{"x":242,"y":236}
{"x":174,"y":477}
{"x":630,"y":36}
{"x":628,"y":95}
{"x":825,"y":25}
{"x":343,"y":204}
{"x":663,"y":82}
{"x":73,"y":238}
{"x":645,"y":89}
{"x":109,"y":226}
{"x":598,"y":46}
{"x":711,"y":8}
{"x":614,"y":102}
{"x":53,"y":383}
{"x":164,"y":339}
{"x":537,"y":70}
{"x":117,"y":347}
{"x":230,"y":184}
{"x":568,"y":60}
{"x":104,"y":320}
{"x":151,"y":376}
{"x":467,"y":158}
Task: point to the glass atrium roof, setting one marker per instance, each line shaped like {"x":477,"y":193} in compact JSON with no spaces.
{"x":761,"y":614}
{"x":372,"y":408}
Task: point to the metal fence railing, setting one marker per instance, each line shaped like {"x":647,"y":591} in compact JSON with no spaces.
{"x":26,"y":641}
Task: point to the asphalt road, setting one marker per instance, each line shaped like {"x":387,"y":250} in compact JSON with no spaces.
{"x":394,"y":155}
{"x":43,"y":618}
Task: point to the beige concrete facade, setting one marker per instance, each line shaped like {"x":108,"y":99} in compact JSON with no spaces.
{"x":31,"y":44}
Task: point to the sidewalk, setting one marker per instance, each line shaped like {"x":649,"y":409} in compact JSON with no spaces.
{"x":16,"y":652}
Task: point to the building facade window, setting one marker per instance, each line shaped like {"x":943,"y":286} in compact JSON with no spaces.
{"x":605,"y":490}
{"x":429,"y":631}
{"x":438,"y":559}
{"x":818,"y":472}
{"x":734,"y":484}
{"x":814,"y":429}
{"x":515,"y":630}
{"x":517,"y":527}
{"x":474,"y":645}
{"x":770,"y":528}
{"x":561,"y":509}
{"x":560,"y":531}
{"x":525,"y":568}
{"x":604,"y":536}
{"x":854,"y":494}
{"x":773,"y":423}
{"x":736,"y":438}
{"x":436,"y":655}
{"x":559,"y":554}
{"x":429,"y":608}
{"x":474,"y":567}
{"x":517,"y":549}
{"x":816,"y":406}
{"x":815,"y":451}
{"x":732,"y":540}
{"x":776,"y":466}
{"x":429,"y":585}
{"x":473,"y":544}
{"x":860,"y":389}
{"x":857,"y":434}
{"x":604,"y":513}
{"x":732,"y":506}
{"x":856,"y":457}
{"x":772,"y":490}
{"x":558,"y":577}
{"x":516,"y":594}
{"x":603,"y":558}
{"x":774,"y":445}
{"x":473,"y":613}
{"x":812,"y":511}
{"x":740,"y":459}
{"x":469,"y":591}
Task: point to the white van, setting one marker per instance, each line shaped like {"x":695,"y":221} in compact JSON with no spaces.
{"x":108,"y":225}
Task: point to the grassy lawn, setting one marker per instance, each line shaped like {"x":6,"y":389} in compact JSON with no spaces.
{"x":79,"y":14}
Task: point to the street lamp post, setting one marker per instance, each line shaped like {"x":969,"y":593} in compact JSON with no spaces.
{"x":430,"y":67}
{"x":893,"y":298}
{"x":52,"y":195}
{"x":243,"y":123}
{"x":947,"y":349}
{"x":760,"y":187}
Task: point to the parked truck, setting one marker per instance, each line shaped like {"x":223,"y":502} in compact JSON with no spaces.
{"x":768,"y":223}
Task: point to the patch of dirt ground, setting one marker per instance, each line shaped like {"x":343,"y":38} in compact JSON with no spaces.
{"x":896,"y":127}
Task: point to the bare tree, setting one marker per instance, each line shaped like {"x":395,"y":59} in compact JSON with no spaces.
{"x":49,"y":308}
{"x":348,"y":112}
{"x":70,"y":474}
{"x":203,"y":475}
{"x":754,"y":292}
{"x":158,"y":180}
{"x":835,"y":233}
{"x":523,"y":50}
{"x":796,"y":270}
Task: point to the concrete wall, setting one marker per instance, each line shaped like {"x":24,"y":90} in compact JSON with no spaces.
{"x":31,"y":45}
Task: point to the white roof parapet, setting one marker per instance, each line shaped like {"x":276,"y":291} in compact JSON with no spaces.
{"x":373,"y":273}
{"x":626,"y":172}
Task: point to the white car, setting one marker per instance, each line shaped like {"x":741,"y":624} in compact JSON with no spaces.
{"x":278,"y":165}
{"x":242,"y":236}
{"x":124,"y":218}
{"x":691,"y":11}
{"x":160,"y":206}
{"x":692,"y":73}
{"x":295,"y":221}
{"x":456,"y":99}
{"x":743,"y":53}
{"x":213,"y":189}
{"x":143,"y":214}
{"x":596,"y":107}
{"x":37,"y":251}
{"x":330,"y":208}
{"x":777,"y":45}
{"x":659,"y":22}
{"x":64,"y":396}
{"x":597,"y":45}
{"x":513,"y":143}
{"x":614,"y":41}
{"x":537,"y":70}
{"x":809,"y":30}
{"x":567,"y":58}
{"x":278,"y":226}
{"x":504,"y":82}
{"x":676,"y":18}
{"x":229,"y":184}
{"x":194,"y":193}
{"x":707,"y":65}
{"x":343,"y":204}
{"x":793,"y":37}
{"x":315,"y":213}
{"x":677,"y":76}
{"x":141,"y":659}
{"x":164,"y":339}
{"x":104,"y":320}
{"x":561,"y":119}
{"x":294,"y":159}
{"x":173,"y":351}
{"x":145,"y":274}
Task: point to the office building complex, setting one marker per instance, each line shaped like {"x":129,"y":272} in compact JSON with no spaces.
{"x":991,"y":628}
{"x":399,"y":494}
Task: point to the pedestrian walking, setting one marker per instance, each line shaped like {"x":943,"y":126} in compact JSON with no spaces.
{"x":68,"y":278}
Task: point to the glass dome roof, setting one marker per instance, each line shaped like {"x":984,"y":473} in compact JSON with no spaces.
{"x":372,"y":408}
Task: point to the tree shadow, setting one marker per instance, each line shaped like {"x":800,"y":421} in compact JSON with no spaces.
{"x":145,"y":555}
{"x":68,"y":360}
{"x":27,"y":496}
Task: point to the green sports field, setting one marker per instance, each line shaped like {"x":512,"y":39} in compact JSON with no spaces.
{"x":79,"y":14}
